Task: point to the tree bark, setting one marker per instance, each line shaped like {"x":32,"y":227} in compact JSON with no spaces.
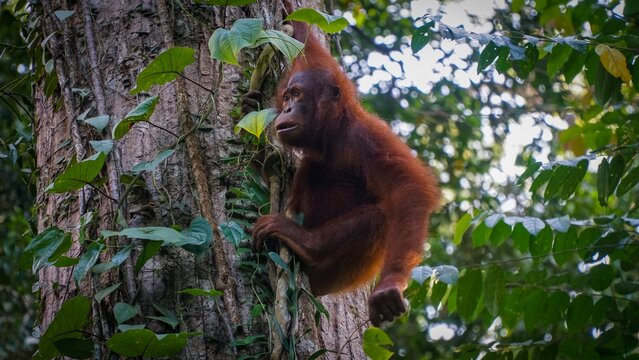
{"x":97,"y":54}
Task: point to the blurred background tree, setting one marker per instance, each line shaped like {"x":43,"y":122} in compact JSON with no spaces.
{"x":17,"y":307}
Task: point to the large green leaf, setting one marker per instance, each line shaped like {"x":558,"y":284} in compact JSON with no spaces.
{"x":469,"y":290}
{"x":69,"y":322}
{"x":225,"y":45}
{"x":75,"y":348}
{"x":557,"y":58}
{"x":45,"y":248}
{"x":256,"y":121}
{"x":535,"y":308}
{"x":462,"y":225}
{"x":579,"y":312}
{"x":630,"y":180}
{"x":375,"y":340}
{"x":198,"y":236}
{"x":164,"y":68}
{"x":143,"y":342}
{"x":78,"y":175}
{"x":282,"y":42}
{"x":328,"y":23}
{"x":87,"y":260}
{"x":487,"y":56}
{"x":142,"y":112}
{"x":601,"y":276}
{"x":494,"y":289}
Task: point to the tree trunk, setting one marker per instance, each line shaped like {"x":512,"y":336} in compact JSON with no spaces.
{"x":98,"y":52}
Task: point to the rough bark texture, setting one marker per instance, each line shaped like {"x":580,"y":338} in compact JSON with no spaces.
{"x":101,"y":48}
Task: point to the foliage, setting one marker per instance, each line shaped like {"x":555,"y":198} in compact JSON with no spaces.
{"x":552,"y":276}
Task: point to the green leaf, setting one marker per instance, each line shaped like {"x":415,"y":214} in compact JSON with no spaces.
{"x":461,"y":227}
{"x":579,"y":312}
{"x":601,"y":308}
{"x":615,"y":171}
{"x":226,"y":2}
{"x":131,"y":343}
{"x":374,"y":341}
{"x":535,"y":308}
{"x":106,"y":291}
{"x":164,"y":68}
{"x":98,"y":122}
{"x":328,"y":23}
{"x":557,"y":181}
{"x":74,"y":348}
{"x":487,"y":56}
{"x":168,"y":317}
{"x":421,"y":37}
{"x":628,"y":182}
{"x":122,"y":255}
{"x":77,"y":175}
{"x":607,"y":87}
{"x":601,"y":276}
{"x":517,"y":5}
{"x":574,"y":65}
{"x":44,"y":247}
{"x":501,"y":232}
{"x":468,"y":293}
{"x":279,"y":261}
{"x":521,"y":237}
{"x":151,"y":165}
{"x":201,"y":292}
{"x":65,"y":261}
{"x":563,"y":246}
{"x":557,"y":59}
{"x":225,"y":45}
{"x":541,"y":244}
{"x":142,"y":112}
{"x":287,"y":45}
{"x":104,"y":146}
{"x":256,"y":121}
{"x":198,"y":236}
{"x":541,"y":179}
{"x":421,"y":273}
{"x":87,"y":260}
{"x":635,"y":75}
{"x":150,"y":249}
{"x":481,"y":234}
{"x":233,"y":232}
{"x":556,"y":307}
{"x":602,"y":182}
{"x":124,"y":312}
{"x":158,"y":233}
{"x":494,"y":289}
{"x":531,"y":169}
{"x":69,"y":322}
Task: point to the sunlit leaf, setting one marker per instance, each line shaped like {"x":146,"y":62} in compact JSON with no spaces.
{"x":328,"y":23}
{"x":614,"y":61}
{"x":287,"y":45}
{"x":462,"y":225}
{"x":256,"y":121}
